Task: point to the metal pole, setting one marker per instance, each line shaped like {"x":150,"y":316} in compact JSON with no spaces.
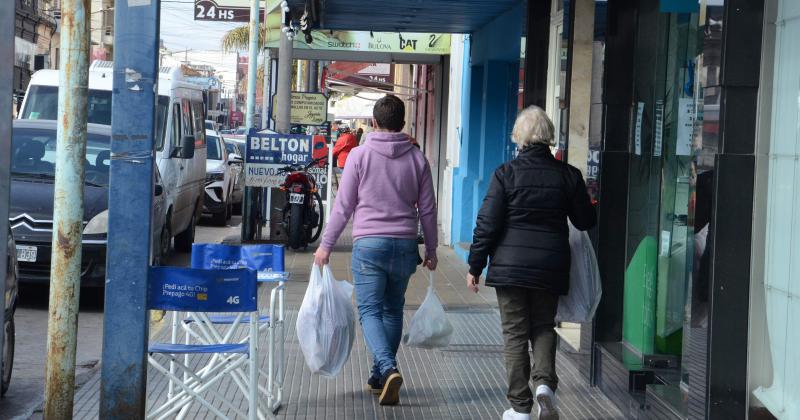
{"x":248,"y":204}
{"x":312,"y":83}
{"x":130,"y":199}
{"x":252,"y":64}
{"x":265,"y":90}
{"x":6,"y":91}
{"x":65,"y":267}
{"x":283,"y":115}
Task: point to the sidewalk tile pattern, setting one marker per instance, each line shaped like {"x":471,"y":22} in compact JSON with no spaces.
{"x":464,"y":381}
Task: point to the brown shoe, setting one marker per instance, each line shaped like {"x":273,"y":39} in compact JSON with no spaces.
{"x":392,"y":381}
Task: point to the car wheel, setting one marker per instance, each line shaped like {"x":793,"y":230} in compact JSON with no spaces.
{"x":185,"y":239}
{"x":220,"y":219}
{"x":164,"y":245}
{"x":8,"y":356}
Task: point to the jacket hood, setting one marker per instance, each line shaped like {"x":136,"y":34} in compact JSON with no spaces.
{"x":391,"y":145}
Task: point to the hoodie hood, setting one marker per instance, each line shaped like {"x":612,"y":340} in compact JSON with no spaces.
{"x":391,"y":145}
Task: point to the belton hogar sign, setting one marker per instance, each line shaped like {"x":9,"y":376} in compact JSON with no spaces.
{"x":266,"y":153}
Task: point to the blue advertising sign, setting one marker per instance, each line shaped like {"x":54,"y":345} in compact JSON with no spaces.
{"x":263,"y":258}
{"x":266,"y":153}
{"x":196,"y":290}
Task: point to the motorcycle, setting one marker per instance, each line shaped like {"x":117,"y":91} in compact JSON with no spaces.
{"x":303,"y":214}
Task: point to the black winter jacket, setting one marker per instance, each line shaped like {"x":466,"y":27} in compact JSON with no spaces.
{"x":522,"y":224}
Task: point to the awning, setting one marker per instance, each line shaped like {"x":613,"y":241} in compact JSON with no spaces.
{"x":442,"y":16}
{"x":355,"y":107}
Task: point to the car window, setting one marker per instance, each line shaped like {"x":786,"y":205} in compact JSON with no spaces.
{"x":162,"y":109}
{"x":213,"y":149}
{"x":186,"y":118}
{"x":231,"y":148}
{"x":176,"y":124}
{"x":42,"y":104}
{"x":33,"y":153}
{"x":199,"y":118}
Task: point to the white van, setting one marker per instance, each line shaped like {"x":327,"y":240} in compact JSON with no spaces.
{"x":180,"y":112}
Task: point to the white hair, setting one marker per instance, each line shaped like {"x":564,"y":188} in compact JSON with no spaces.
{"x":532,"y":126}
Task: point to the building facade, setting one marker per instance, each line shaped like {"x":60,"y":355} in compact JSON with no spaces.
{"x":683,"y":118}
{"x":35,"y":41}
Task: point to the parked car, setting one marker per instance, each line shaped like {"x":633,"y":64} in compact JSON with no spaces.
{"x":7,"y":360}
{"x":33,"y":156}
{"x":211,"y":125}
{"x":220,"y":178}
{"x":235,"y":155}
{"x":179,"y":141}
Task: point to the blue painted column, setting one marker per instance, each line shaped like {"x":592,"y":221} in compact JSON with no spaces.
{"x":125,"y":327}
{"x":492,"y":59}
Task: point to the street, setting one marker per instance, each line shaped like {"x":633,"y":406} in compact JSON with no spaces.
{"x":27,"y":382}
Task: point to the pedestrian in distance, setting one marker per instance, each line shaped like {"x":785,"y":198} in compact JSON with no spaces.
{"x":344,"y":145}
{"x":522,"y":229}
{"x":359,"y":134}
{"x":387,"y":188}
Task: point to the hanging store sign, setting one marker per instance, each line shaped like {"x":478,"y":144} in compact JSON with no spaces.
{"x":307,"y":108}
{"x":228,"y":10}
{"x":365,"y":41}
{"x":265,"y":154}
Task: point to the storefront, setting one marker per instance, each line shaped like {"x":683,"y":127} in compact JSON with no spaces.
{"x":676,"y":176}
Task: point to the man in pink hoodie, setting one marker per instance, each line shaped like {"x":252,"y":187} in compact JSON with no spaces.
{"x":386,"y":187}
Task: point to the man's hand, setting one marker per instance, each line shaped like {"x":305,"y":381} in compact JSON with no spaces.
{"x":322,"y":257}
{"x":472,"y":282}
{"x":431,"y":262}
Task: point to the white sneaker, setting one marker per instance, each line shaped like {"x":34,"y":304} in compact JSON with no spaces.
{"x":546,"y":399}
{"x":512,"y":414}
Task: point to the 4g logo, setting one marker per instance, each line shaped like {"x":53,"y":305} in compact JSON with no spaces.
{"x":233,"y":300}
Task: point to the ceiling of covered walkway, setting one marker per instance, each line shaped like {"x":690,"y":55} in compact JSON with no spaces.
{"x":440,"y":16}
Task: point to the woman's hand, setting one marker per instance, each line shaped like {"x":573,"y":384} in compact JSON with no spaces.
{"x":431,"y":262}
{"x":472,"y":282}
{"x":322,"y":257}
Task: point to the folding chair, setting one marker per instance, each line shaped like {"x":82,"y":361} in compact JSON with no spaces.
{"x":268,"y":261}
{"x":198,"y":292}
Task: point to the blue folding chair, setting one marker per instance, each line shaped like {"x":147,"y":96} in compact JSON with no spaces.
{"x":198,"y":292}
{"x":268,"y":260}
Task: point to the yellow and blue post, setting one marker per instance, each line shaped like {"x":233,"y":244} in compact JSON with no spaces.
{"x":131,"y":189}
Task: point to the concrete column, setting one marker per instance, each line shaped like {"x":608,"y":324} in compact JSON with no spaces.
{"x":283,"y":113}
{"x":581,"y":84}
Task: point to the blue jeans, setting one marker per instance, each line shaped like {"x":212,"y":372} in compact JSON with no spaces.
{"x":381,"y":269}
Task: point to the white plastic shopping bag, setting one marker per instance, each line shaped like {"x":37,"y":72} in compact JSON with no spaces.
{"x":585,"y":288}
{"x":429,"y":327}
{"x":326,"y":322}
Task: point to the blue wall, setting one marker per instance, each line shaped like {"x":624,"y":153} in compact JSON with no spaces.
{"x":490,"y":88}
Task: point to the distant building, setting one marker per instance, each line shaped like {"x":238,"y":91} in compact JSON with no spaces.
{"x":35,"y":27}
{"x":102,"y":38}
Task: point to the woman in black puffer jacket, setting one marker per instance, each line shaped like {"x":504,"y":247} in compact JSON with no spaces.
{"x":522,"y":229}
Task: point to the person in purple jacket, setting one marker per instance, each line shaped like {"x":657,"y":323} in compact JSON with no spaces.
{"x":387,"y":188}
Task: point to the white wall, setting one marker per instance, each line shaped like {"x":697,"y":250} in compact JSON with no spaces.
{"x":776,"y":276}
{"x":453,"y":134}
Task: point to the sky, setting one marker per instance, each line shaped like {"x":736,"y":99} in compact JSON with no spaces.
{"x":180,"y":31}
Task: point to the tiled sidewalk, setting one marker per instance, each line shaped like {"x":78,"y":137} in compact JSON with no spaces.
{"x":464,"y":381}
